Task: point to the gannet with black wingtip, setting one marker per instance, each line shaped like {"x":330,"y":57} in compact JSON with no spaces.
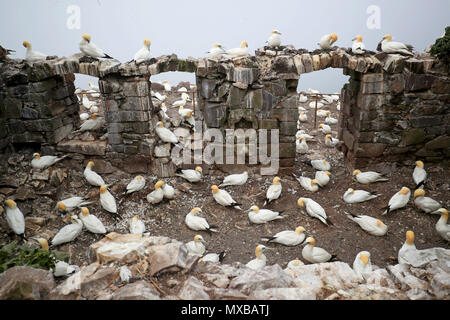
{"x":314,"y":254}
{"x":274,"y":39}
{"x":136,"y":225}
{"x":91,"y":176}
{"x":69,"y":232}
{"x":144,"y":53}
{"x":91,"y":222}
{"x":301,"y":146}
{"x":197,"y":223}
{"x":90,"y":49}
{"x":419,"y":174}
{"x":274,"y":191}
{"x":426,"y":204}
{"x":362,"y":265}
{"x":69,"y":204}
{"x":303,"y":117}
{"x":260,"y":216}
{"x":407,"y":246}
{"x":235,"y":179}
{"x":15,"y":218}
{"x":288,"y":237}
{"x":327,"y":40}
{"x":32,"y":56}
{"x":260,"y":261}
{"x":368,"y":177}
{"x":157,"y":195}
{"x":358,"y":46}
{"x":329,"y":119}
{"x":165,"y":134}
{"x":357,"y":196}
{"x":191,"y":175}
{"x":326,"y":129}
{"x":223,"y":198}
{"x":313,"y":209}
{"x":303,"y":134}
{"x":197,"y":246}
{"x":322,"y":177}
{"x":330,"y":141}
{"x":137,"y":184}
{"x":213,"y":257}
{"x":307,"y":183}
{"x":389,"y":46}
{"x":186,"y":96}
{"x":92,"y":124}
{"x":321,"y":165}
{"x":442,"y":228}
{"x":216,"y":52}
{"x":42,"y":162}
{"x":107,"y":200}
{"x":238,"y":52}
{"x":169,"y":191}
{"x":398,"y":200}
{"x":375,"y":227}
{"x":180,"y":103}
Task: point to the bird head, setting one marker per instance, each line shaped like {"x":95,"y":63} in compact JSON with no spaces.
{"x":73,"y":219}
{"x":244,"y":44}
{"x":419,"y":193}
{"x":163,"y":104}
{"x":302,"y":139}
{"x":321,"y":125}
{"x":181,"y":108}
{"x":147,"y":42}
{"x":419,"y":164}
{"x":387,"y":37}
{"x":328,"y":112}
{"x":199,"y":238}
{"x":299,"y":230}
{"x":36,"y":155}
{"x":260,"y":249}
{"x":10,"y":203}
{"x":26,"y":44}
{"x":199,"y":169}
{"x":189,"y":114}
{"x":84,"y":211}
{"x":311,"y":241}
{"x":195,"y":211}
{"x":94,"y":116}
{"x":328,"y":136}
{"x":43,"y":243}
{"x":139,"y":177}
{"x":328,"y":173}
{"x":301,"y":202}
{"x":356,"y":172}
{"x":159,"y":184}
{"x":61,"y":206}
{"x":409,"y":237}
{"x":334,"y":37}
{"x":351,"y":190}
{"x":90,"y":164}
{"x":314,"y":182}
{"x":135,"y":219}
{"x":86,"y":37}
{"x":380,"y":223}
{"x":255,"y":209}
{"x":325,"y":162}
{"x":215,"y":189}
{"x":364,"y":257}
{"x":103,"y":189}
{"x":160,"y":124}
{"x":217,"y":45}
{"x":444,"y":212}
{"x":90,"y":84}
{"x":358,"y":38}
{"x":404,"y":191}
{"x":274,"y":31}
{"x":276,"y":180}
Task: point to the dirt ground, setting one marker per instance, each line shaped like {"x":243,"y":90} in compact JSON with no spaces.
{"x":236,"y":235}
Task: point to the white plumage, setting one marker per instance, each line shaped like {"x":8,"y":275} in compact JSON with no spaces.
{"x":238,"y":52}
{"x":322,"y":177}
{"x":86,"y":102}
{"x":312,"y":105}
{"x":42,"y":162}
{"x":157,"y":195}
{"x":92,"y":124}
{"x":138,"y":183}
{"x":167,"y":85}
{"x":322,"y":113}
{"x":426,"y":204}
{"x":223,"y":198}
{"x":419,"y":174}
{"x":303,"y":117}
{"x":93,"y":88}
{"x":442,"y":228}
{"x":260,"y":261}
{"x":389,"y":46}
{"x":69,"y":232}
{"x":192,"y":175}
{"x":362,"y":265}
{"x":369,"y":224}
{"x":398,"y":200}
{"x":314,"y":254}
{"x":90,"y":49}
{"x":301,"y":146}
{"x":32,"y":56}
{"x":356,"y":196}
{"x":330,"y":141}
{"x":321,"y":165}
{"x":93,"y":177}
{"x":274,"y":39}
{"x":313,"y":209}
{"x":260,"y":216}
{"x":137,"y":226}
{"x":288,"y":237}
{"x":14,"y":217}
{"x":71,"y":203}
{"x":408,"y":245}
{"x":302,"y":98}
{"x":91,"y":222}
{"x":62,"y":268}
{"x":213,"y":257}
{"x":144,"y":53}
{"x":197,"y":246}
{"x":180,"y":103}
{"x":327,"y":40}
{"x":165,"y":134}
{"x":107,"y":200}
{"x":307,"y":183}
{"x":358,"y":46}
{"x":294,"y":264}
{"x":329,"y":119}
{"x":125,"y":274}
{"x":303,"y":134}
{"x":326,"y":129}
{"x":368,"y":177}
{"x":235,"y":179}
{"x":216,"y":52}
{"x":84,"y":116}
{"x":274,"y":191}
{"x":195,"y":222}
{"x":168,"y":190}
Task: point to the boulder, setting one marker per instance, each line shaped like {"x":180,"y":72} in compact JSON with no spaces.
{"x":139,"y":290}
{"x":193,"y":289}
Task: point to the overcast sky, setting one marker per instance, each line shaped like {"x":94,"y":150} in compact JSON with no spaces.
{"x":190,"y":28}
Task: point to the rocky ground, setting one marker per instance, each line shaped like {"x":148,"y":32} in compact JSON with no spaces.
{"x":37,"y":192}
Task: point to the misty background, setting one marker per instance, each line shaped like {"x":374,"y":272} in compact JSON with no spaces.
{"x":190,"y":28}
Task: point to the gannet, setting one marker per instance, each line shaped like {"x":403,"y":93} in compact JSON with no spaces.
{"x":338,"y":106}
{"x":91,"y":222}
{"x":307,"y":183}
{"x":314,"y":209}
{"x":165,"y":117}
{"x":329,"y":119}
{"x":69,"y":232}
{"x":301,"y":146}
{"x":398,"y":200}
{"x":86,"y":102}
{"x":330,"y":141}
{"x":223,"y":198}
{"x":165,"y":134}
{"x":356,"y":196}
{"x":327,"y":99}
{"x":321,"y":113}
{"x":312,"y":105}
{"x":407,"y":246}
{"x":84,"y":116}
{"x":90,"y":49}
{"x":274,"y":39}
{"x":160,"y":97}
{"x":137,"y":184}
{"x":322,"y":177}
{"x":260,"y":216}
{"x":107,"y":200}
{"x":419,"y":174}
{"x":389,"y":46}
{"x":274,"y":191}
{"x":91,"y":125}
{"x":216,"y":52}
{"x":358,"y":46}
{"x":321,"y":165}
{"x":213,"y":257}
{"x":93,"y":177}
{"x":313,"y":91}
{"x":182,"y":89}
{"x":238,"y":52}
{"x":303,"y":117}
{"x":180,"y":103}
{"x":302,"y":98}
{"x":125,"y":274}
{"x":144,"y":53}
{"x":375,"y":227}
{"x":168,"y":190}
{"x":314,"y":254}
{"x":62,"y":268}
{"x":167,"y":85}
{"x":303,"y":134}
{"x":191,"y":175}
{"x":136,"y":225}
{"x":362,"y":265}
{"x":157,"y":195}
{"x":442,"y":227}
{"x":426,"y":204}
{"x":260,"y":261}
{"x":368,"y":177}
{"x":186,"y":96}
{"x":326,"y":129}
{"x":294,"y":264}
{"x":197,"y":223}
{"x":43,"y":162}
{"x":235,"y":179}
{"x":288,"y":237}
{"x":33,"y":56}
{"x":197,"y":246}
{"x":182,"y":111}
{"x":93,"y":87}
{"x":15,"y":218}
{"x":327,"y":40}
{"x":71,"y":203}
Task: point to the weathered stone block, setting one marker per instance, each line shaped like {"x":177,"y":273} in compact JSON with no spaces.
{"x":254,"y":99}
{"x":11,"y":108}
{"x":59,"y":134}
{"x":215,"y":114}
{"x":370,"y":150}
{"x":418,"y":82}
{"x":126,"y":116}
{"x":93,"y":148}
{"x":208,"y":87}
{"x":136,"y":88}
{"x":307,"y":62}
{"x":441,"y":142}
{"x":426,"y":121}
{"x":413,"y":136}
{"x":235,"y":97}
{"x":288,"y":128}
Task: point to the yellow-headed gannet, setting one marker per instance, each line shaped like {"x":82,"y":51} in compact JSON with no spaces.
{"x":93,"y":177}
{"x":327,"y":40}
{"x":223,"y":198}
{"x":238,"y":52}
{"x":216,"y":52}
{"x":144,"y":53}
{"x":165,"y":134}
{"x":138,"y":183}
{"x":197,"y":223}
{"x":274,"y":191}
{"x":442,"y":227}
{"x":107,"y":200}
{"x":90,"y":49}
{"x":301,"y":146}
{"x":157,"y":195}
{"x":260,"y":261}
{"x":15,"y":218}
{"x":356,"y":196}
{"x":419,"y":174}
{"x":71,"y":203}
{"x":260,"y":216}
{"x":313,"y":209}
{"x":389,"y":46}
{"x":368,"y":177}
{"x":197,"y":246}
{"x":137,"y":226}
{"x":362,"y":265}
{"x":42,"y":162}
{"x":358,"y":46}
{"x":191,"y":175}
{"x":398,"y":200}
{"x":322,"y":177}
{"x":91,"y":222}
{"x":69,"y":232}
{"x":321,"y":165}
{"x":33,"y":56}
{"x":314,"y":254}
{"x":426,"y":204}
{"x":330,"y":141}
{"x":375,"y":227}
{"x":326,"y":129}
{"x":288,"y":237}
{"x":274,"y":39}
{"x":235,"y":179}
{"x":307,"y":183}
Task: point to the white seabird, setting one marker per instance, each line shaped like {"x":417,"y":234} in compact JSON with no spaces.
{"x":238,"y":52}
{"x":327,"y":40}
{"x":33,"y":56}
{"x":389,"y":46}
{"x":90,"y":49}
{"x":144,"y":53}
{"x":358,"y":46}
{"x":274,"y":39}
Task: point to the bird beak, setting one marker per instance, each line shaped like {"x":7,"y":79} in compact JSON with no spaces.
{"x":353,"y":39}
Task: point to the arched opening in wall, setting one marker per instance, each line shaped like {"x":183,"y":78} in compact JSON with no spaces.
{"x":319,"y":104}
{"x":89,"y":97}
